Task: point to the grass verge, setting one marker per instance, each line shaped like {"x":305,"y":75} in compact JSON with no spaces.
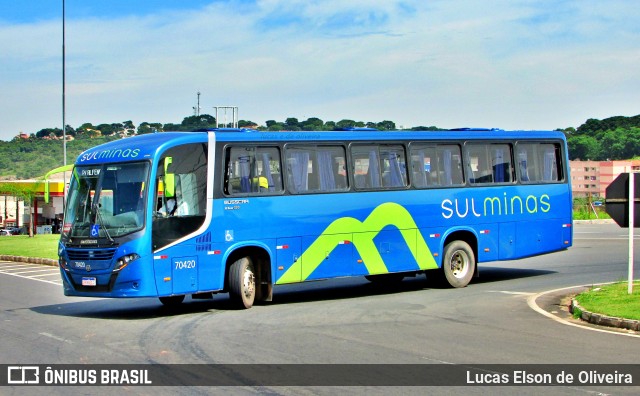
{"x":612,"y":300}
{"x":43,"y":246}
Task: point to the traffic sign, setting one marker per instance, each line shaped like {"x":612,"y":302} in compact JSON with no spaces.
{"x":618,"y":201}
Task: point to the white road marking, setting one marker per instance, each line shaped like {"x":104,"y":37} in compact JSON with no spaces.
{"x":31,"y":271}
{"x":14,"y":266}
{"x":56,"y":337}
{"x":54,"y":273}
{"x":58,"y":283}
{"x":511,"y":292}
{"x":531,"y":301}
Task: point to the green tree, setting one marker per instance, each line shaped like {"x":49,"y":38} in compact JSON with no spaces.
{"x":23,"y":192}
{"x":202,"y":121}
{"x":247,"y":124}
{"x":278,"y":126}
{"x":149,"y":127}
{"x":386,"y":126}
{"x":350,"y":124}
{"x":49,"y":132}
{"x":291,"y":124}
{"x":621,"y":143}
{"x":583,"y":147}
{"x":425,"y":128}
{"x":106,"y":129}
{"x":597,"y":128}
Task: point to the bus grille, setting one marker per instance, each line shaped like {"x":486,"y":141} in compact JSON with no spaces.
{"x":90,"y":254}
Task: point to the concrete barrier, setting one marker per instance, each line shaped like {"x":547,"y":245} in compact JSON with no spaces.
{"x":32,"y":260}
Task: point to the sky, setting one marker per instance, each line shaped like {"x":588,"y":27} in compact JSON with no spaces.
{"x":510,"y":64}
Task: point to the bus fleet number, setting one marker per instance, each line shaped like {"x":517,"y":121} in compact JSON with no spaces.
{"x":186,"y":264}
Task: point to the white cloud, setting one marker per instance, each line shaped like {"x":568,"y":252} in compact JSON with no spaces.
{"x":463,"y":63}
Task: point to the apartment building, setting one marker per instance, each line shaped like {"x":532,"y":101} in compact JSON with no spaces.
{"x":591,"y":178}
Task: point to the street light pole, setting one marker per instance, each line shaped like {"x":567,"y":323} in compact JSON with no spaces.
{"x":64,"y":122}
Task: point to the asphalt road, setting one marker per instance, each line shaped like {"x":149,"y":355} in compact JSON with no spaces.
{"x":339,"y":321}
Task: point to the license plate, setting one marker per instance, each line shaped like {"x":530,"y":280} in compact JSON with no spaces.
{"x":89,"y":281}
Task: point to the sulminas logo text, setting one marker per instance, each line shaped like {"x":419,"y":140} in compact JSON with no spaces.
{"x":495,"y":206}
{"x":109,"y":154}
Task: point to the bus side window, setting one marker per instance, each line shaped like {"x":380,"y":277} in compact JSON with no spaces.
{"x":501,"y":163}
{"x":252,"y":170}
{"x":315,"y":168}
{"x":298,"y":170}
{"x":539,"y":162}
{"x":394,"y":167}
{"x":181,"y":199}
{"x":366,"y":162}
{"x":489,"y":163}
{"x":424,"y":166}
{"x":449,"y":165}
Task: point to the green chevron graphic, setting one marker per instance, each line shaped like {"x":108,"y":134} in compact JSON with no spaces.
{"x":386,"y":214}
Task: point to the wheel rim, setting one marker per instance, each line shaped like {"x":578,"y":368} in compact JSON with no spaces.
{"x":248,"y":283}
{"x":459,"y":264}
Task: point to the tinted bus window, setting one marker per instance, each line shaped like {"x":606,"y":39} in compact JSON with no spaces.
{"x":436,"y":165}
{"x":489,"y":163}
{"x":315,"y":169}
{"x":539,"y":162}
{"x":252,"y":170}
{"x":382,"y":166}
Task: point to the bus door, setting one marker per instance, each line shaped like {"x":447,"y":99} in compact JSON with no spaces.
{"x":176,"y":273}
{"x":180,"y":208}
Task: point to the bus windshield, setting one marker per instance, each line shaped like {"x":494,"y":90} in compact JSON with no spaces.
{"x":106,"y":201}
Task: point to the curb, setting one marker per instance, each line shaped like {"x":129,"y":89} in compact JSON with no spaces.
{"x":595,"y":221}
{"x":32,"y":260}
{"x":603,"y":320}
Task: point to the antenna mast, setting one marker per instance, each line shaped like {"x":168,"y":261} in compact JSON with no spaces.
{"x":196,"y":109}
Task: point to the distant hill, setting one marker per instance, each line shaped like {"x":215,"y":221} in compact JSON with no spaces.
{"x":31,"y":158}
{"x":594,"y":127}
{"x":614,"y":138}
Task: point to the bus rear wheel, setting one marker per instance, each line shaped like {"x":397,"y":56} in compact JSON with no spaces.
{"x":242,"y":283}
{"x":458,"y":263}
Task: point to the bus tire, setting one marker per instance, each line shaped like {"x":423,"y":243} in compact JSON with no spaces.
{"x":171,"y":301}
{"x":458,"y":263}
{"x":242,"y":283}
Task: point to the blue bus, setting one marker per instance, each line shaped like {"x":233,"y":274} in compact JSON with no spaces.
{"x":227,"y":210}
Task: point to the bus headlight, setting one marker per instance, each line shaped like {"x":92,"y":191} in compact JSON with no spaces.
{"x":124,"y":261}
{"x":63,"y":263}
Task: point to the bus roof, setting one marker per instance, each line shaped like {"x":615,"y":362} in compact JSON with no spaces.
{"x":374,"y":135}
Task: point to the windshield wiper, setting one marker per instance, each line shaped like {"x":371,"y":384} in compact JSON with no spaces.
{"x":100,"y":220}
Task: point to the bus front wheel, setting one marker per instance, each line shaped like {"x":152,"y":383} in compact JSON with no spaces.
{"x":458,"y":264}
{"x":242,"y":283}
